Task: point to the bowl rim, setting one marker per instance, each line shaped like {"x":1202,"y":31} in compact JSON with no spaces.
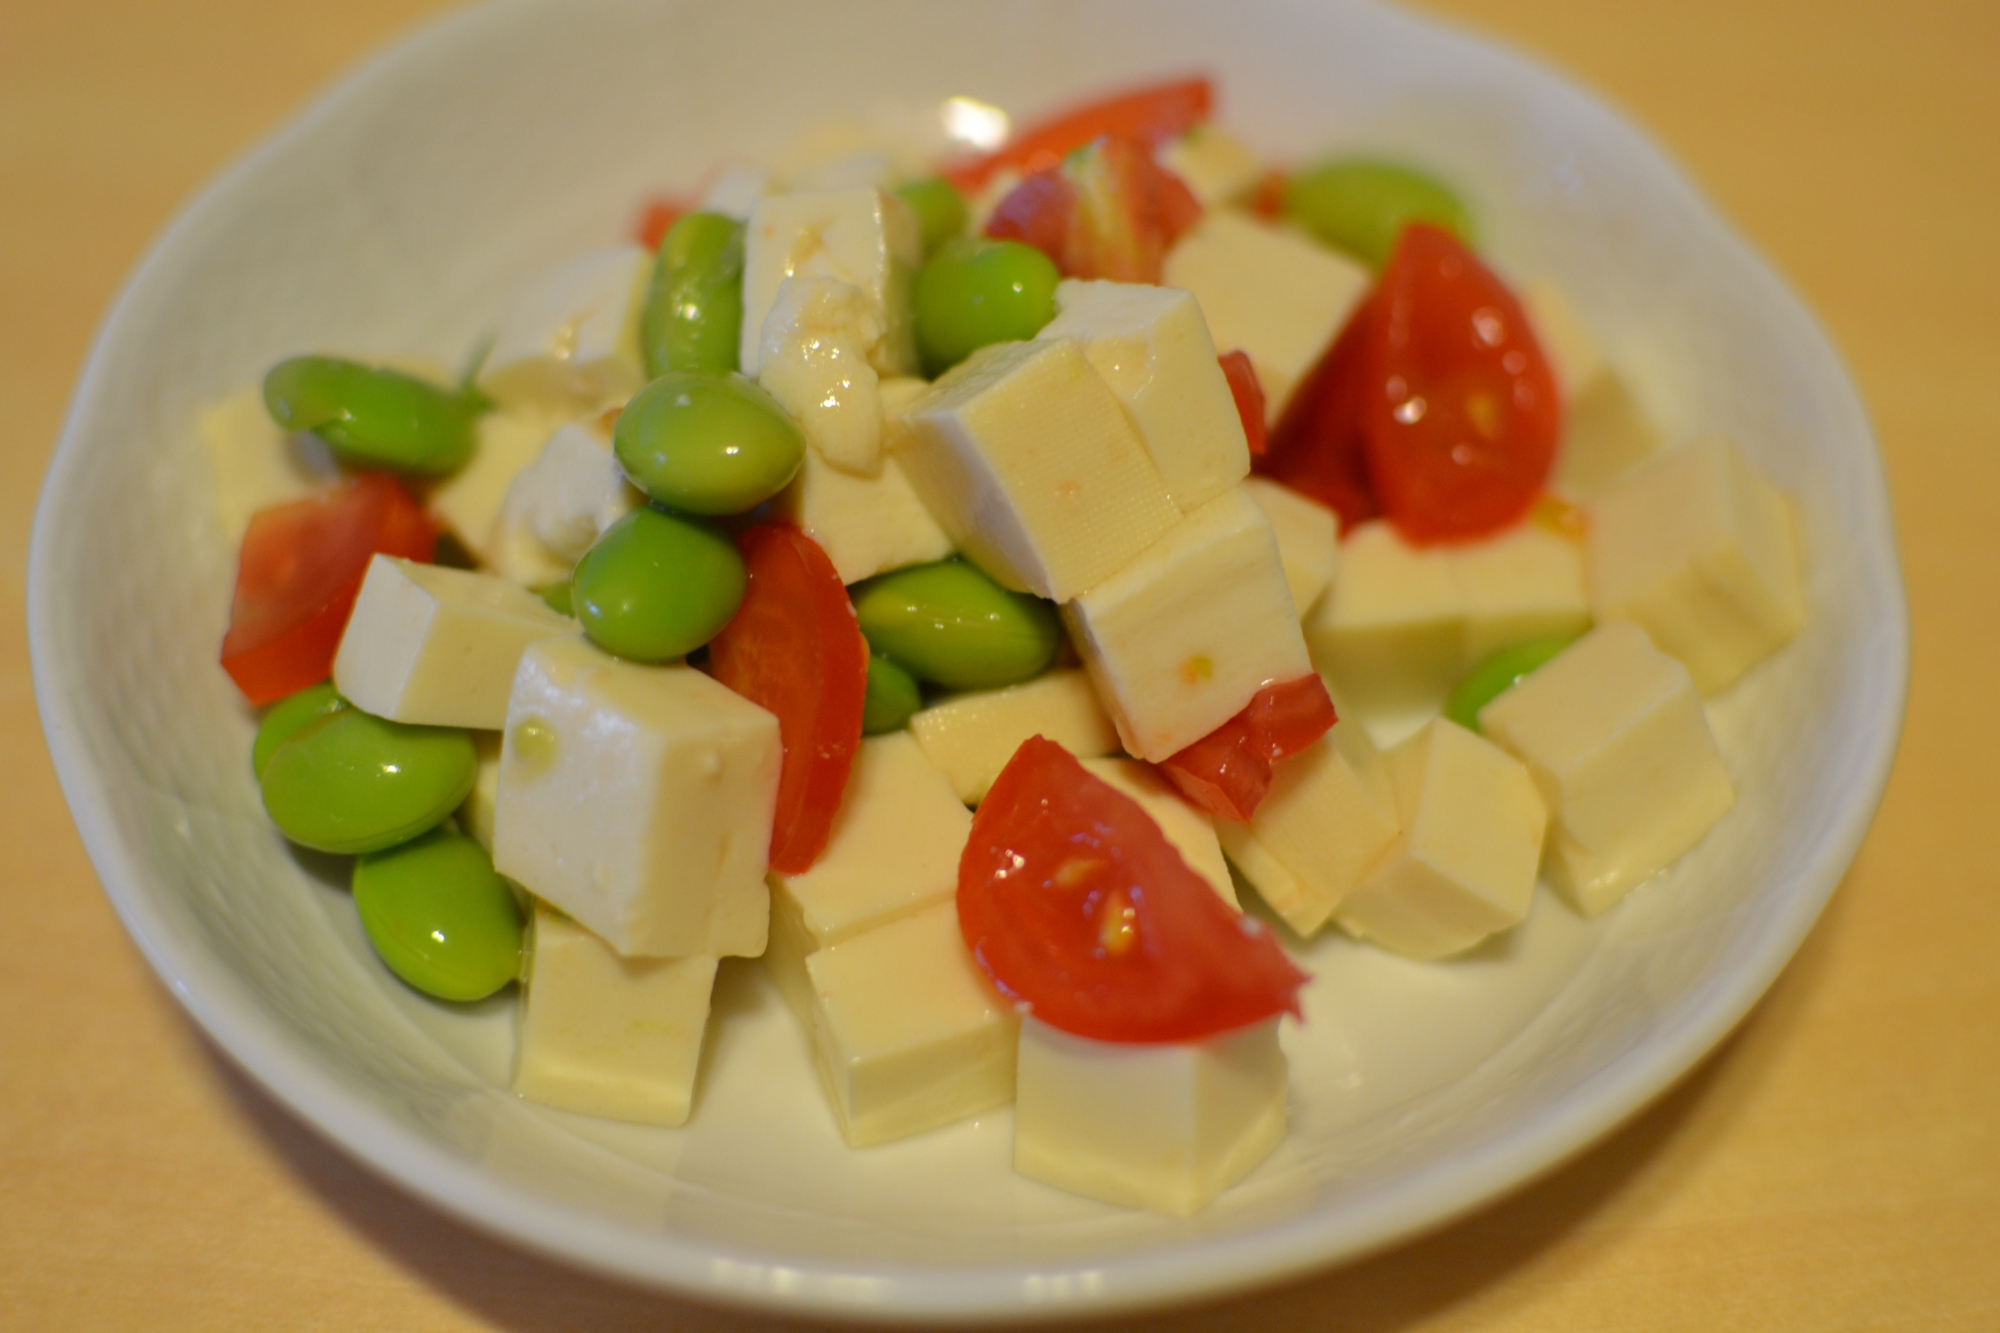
{"x":727,"y":1275}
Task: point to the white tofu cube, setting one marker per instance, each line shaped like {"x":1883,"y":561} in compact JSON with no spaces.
{"x":970,"y":737}
{"x":1186,"y":825}
{"x":1028,"y":461}
{"x":571,"y":342}
{"x":1217,"y":167}
{"x":894,"y":848}
{"x":909,"y":1035}
{"x":1390,"y":634}
{"x":256,"y":463}
{"x":1166,"y":1127}
{"x":735,"y":192}
{"x":1268,"y":291}
{"x":815,"y":363}
{"x":1308,"y":536}
{"x":1523,"y":583}
{"x":476,"y":815}
{"x":558,"y":506}
{"x":1151,"y":346}
{"x":1464,"y":865}
{"x":1329,"y":816}
{"x":863,"y":236}
{"x":1615,"y":737}
{"x":1698,"y":550}
{"x":638,"y":799}
{"x":609,"y":1036}
{"x":866,"y":525}
{"x":1605,"y":431}
{"x":1178,"y":641}
{"x":437,"y":646}
{"x":469,"y":501}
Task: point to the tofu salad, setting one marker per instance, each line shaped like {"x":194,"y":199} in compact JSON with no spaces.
{"x":954,"y":588}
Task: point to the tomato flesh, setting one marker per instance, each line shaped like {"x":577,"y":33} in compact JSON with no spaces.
{"x":1317,"y":447}
{"x":299,"y":572}
{"x":1228,"y":771}
{"x":1150,"y":114}
{"x":1078,"y":907}
{"x":1107,"y":211}
{"x":1249,"y":396}
{"x":657,"y":217}
{"x":794,"y":648}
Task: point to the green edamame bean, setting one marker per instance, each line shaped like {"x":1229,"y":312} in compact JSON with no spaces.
{"x":556,"y":596}
{"x":1360,"y":205}
{"x":354,"y":782}
{"x":974,"y":292}
{"x":939,"y":207}
{"x":694,"y":305}
{"x":892,"y":696}
{"x":707,"y":444}
{"x":372,"y":417}
{"x":951,"y":625}
{"x":657,"y":585}
{"x":1498,"y":674}
{"x":289,"y":716}
{"x":439,"y":916}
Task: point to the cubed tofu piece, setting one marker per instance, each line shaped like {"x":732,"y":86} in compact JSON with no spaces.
{"x":257,"y":463}
{"x":638,"y":799}
{"x":1308,"y":536}
{"x":1217,"y":167}
{"x":438,"y":646}
{"x":1605,"y":431}
{"x":475,"y":816}
{"x":1390,"y":633}
{"x":1268,"y":291}
{"x":909,"y":1035}
{"x":1186,"y":825}
{"x":1329,"y":815}
{"x":1166,"y":1127}
{"x":508,"y":441}
{"x":1699,"y":551}
{"x":970,"y":737}
{"x":571,"y":343}
{"x":863,"y":236}
{"x":815,"y":363}
{"x":1179,"y":640}
{"x":1615,"y":737}
{"x":1028,"y":461}
{"x":735,"y":192}
{"x":1524,"y":583}
{"x":894,"y":848}
{"x":558,"y":506}
{"x":866,"y":525}
{"x":609,"y":1036}
{"x":1151,"y":346}
{"x":1464,"y":865}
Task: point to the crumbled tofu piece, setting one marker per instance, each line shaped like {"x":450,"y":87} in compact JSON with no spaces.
{"x":1026,"y":459}
{"x":438,"y":646}
{"x":558,"y":506}
{"x":476,"y":815}
{"x":1464,"y":865}
{"x":970,"y":737}
{"x":1308,"y":539}
{"x":571,"y":343}
{"x":1269,"y":291}
{"x":609,"y":1036}
{"x":1186,"y":825}
{"x":735,"y":192}
{"x":638,"y":799}
{"x":258,"y":464}
{"x":1217,"y":167}
{"x":862,"y":236}
{"x":469,"y":501}
{"x":1605,"y":431}
{"x":815,"y":363}
{"x":1151,"y":346}
{"x":894,"y":848}
{"x":1329,"y":816}
{"x":1615,"y":737}
{"x":1699,"y":551}
{"x":1390,"y":633}
{"x":1523,"y":583}
{"x":909,"y":1035}
{"x":866,"y":525}
{"x":1165,"y":1127}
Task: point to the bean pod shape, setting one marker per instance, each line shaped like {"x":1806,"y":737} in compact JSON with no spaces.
{"x":288,"y":717}
{"x":1500,"y":672}
{"x":352,"y":782}
{"x":951,"y":625}
{"x":373,"y":417}
{"x":892,"y":697}
{"x":694,"y":305}
{"x":439,"y":916}
{"x":708,"y":444}
{"x":657,"y":586}
{"x":1361,"y":206}
{"x":976,"y":291}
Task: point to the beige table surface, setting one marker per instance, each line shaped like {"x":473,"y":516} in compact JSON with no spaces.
{"x":1836,"y":1165}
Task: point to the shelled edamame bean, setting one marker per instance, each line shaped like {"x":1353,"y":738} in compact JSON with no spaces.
{"x":353,"y":782}
{"x":939,"y":208}
{"x":1360,"y":205}
{"x":373,"y":417}
{"x":657,"y":585}
{"x":439,"y":916}
{"x":976,"y":291}
{"x":694,"y":304}
{"x":289,"y":716}
{"x":951,"y":625}
{"x":891,"y":699}
{"x":709,"y":444}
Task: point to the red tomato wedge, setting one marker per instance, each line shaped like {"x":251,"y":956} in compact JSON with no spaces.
{"x":1462,"y":428}
{"x":298,"y":575}
{"x":1228,"y":771}
{"x":1317,"y":448}
{"x":794,"y":647}
{"x":657,"y":217}
{"x":1107,"y":210}
{"x":1077,"y":906}
{"x":1149,"y":114}
{"x":1249,"y":396}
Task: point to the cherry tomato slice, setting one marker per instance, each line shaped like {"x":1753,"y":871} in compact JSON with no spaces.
{"x":1249,"y":396}
{"x":298,"y":575}
{"x":1228,"y":771}
{"x":1462,"y":426}
{"x":1108,"y":210}
{"x":1317,"y":447}
{"x":1077,"y":906}
{"x":1149,"y":114}
{"x":794,"y":648}
{"x":657,"y":217}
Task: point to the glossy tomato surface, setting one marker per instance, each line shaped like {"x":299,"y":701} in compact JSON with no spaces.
{"x":1074,"y":902}
{"x":1149,"y":114}
{"x":1228,"y":771}
{"x":1108,"y":210}
{"x":1249,"y":396}
{"x":1317,"y":447}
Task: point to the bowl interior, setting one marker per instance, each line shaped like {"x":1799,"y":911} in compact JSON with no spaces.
{"x":397,"y":217}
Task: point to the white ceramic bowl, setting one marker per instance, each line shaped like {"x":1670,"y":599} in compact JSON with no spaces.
{"x":397,"y":214}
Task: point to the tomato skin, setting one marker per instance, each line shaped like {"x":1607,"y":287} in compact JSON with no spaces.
{"x":1317,"y":447}
{"x":1228,"y":771}
{"x":657,"y":217}
{"x":1150,"y":114}
{"x":1463,"y":430}
{"x":299,"y":572}
{"x":1249,"y":396}
{"x":795,"y":648}
{"x":1078,"y":907}
{"x":1108,"y":210}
